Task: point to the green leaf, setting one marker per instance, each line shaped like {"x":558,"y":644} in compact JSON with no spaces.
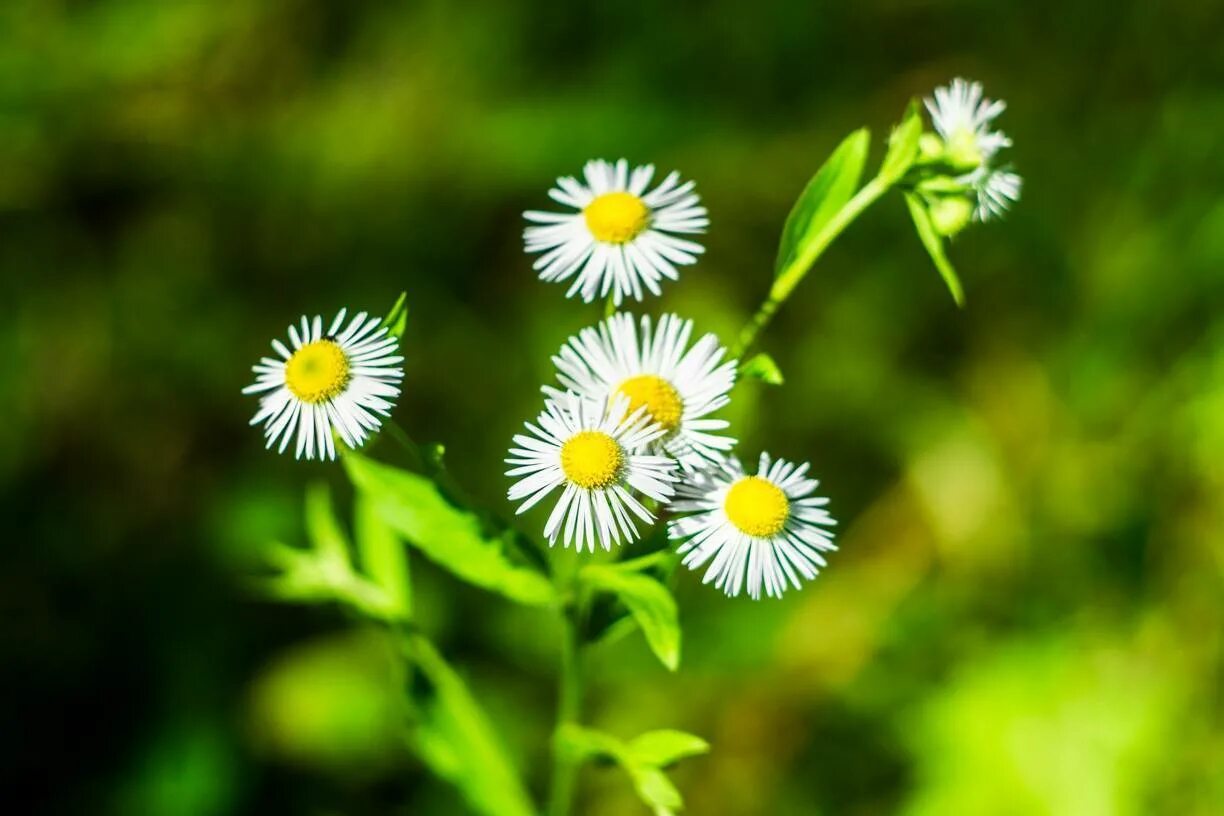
{"x":397,"y":319}
{"x":584,"y":744}
{"x":382,"y":554}
{"x":454,"y":738}
{"x":763,"y":368}
{"x":934,"y":245}
{"x":826,"y":193}
{"x":322,"y":528}
{"x":902,"y":145}
{"x":452,"y":538}
{"x":651,"y":605}
{"x":665,"y":746}
{"x":655,"y":789}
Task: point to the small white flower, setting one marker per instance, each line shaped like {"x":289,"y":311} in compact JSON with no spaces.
{"x":996,"y":191}
{"x":338,"y":379}
{"x":679,"y":389}
{"x":621,"y":238}
{"x":595,"y":452}
{"x":963,"y":116}
{"x":762,"y":530}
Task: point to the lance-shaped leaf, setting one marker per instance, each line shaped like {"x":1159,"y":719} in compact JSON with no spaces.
{"x":452,"y":735}
{"x":382,"y":554}
{"x":902,"y":145}
{"x":652,"y":607}
{"x":934,"y":244}
{"x":452,"y":538}
{"x":827,"y":192}
{"x":762,"y":367}
{"x":397,"y":319}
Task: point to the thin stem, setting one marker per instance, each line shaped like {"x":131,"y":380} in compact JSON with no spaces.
{"x":609,"y":306}
{"x":569,"y":709}
{"x":790,"y":277}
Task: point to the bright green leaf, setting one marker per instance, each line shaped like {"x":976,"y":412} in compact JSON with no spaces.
{"x":665,"y":746}
{"x":454,"y":738}
{"x":656,"y":790}
{"x":763,"y":368}
{"x":583,"y":744}
{"x":827,"y":192}
{"x":412,"y":506}
{"x":382,"y":554}
{"x":322,"y":528}
{"x":902,"y":145}
{"x":934,"y":245}
{"x":651,"y":605}
{"x":397,"y":319}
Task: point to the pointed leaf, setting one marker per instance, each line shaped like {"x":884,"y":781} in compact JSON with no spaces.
{"x":322,"y":528}
{"x":382,"y":554}
{"x":826,"y":193}
{"x":452,"y":538}
{"x":454,"y":738}
{"x":397,"y":319}
{"x":655,"y":789}
{"x":902,"y":145}
{"x":665,"y":746}
{"x":651,"y":605}
{"x":934,"y":245}
{"x":763,"y":368}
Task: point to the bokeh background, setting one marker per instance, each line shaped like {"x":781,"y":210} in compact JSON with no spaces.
{"x":1026,"y":613}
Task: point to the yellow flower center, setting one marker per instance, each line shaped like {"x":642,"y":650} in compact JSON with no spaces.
{"x":615,"y":218}
{"x":757,"y":506}
{"x":317,"y":371}
{"x":591,"y":459}
{"x":658,"y":395}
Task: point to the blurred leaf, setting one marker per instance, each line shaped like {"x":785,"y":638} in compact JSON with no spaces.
{"x":582,"y":744}
{"x":934,"y":245}
{"x":454,"y":738}
{"x":902,"y":145}
{"x":651,"y":605}
{"x":452,"y":538}
{"x":382,"y":554}
{"x":656,"y":790}
{"x":763,"y":368}
{"x":322,"y":528}
{"x":665,"y":746}
{"x":827,"y":192}
{"x":397,"y":319}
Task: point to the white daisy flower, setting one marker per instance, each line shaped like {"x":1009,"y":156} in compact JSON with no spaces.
{"x":762,"y":530}
{"x":622,"y":238}
{"x":679,"y":389}
{"x":963,"y":116}
{"x":996,"y":192}
{"x":595,"y":452}
{"x":339,"y":379}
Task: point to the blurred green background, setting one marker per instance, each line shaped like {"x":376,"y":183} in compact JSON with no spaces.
{"x":1025,"y":615}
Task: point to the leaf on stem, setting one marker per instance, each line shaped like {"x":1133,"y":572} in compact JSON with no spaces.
{"x":452,"y":735}
{"x":934,"y":245}
{"x":382,"y":554}
{"x":397,"y":319}
{"x":666,"y":746}
{"x":652,"y":607}
{"x":827,"y":192}
{"x":412,"y":506}
{"x":902,"y":145}
{"x":762,"y":367}
{"x":642,"y":758}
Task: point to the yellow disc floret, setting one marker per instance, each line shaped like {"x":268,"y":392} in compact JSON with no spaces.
{"x":757,"y":506}
{"x":660,"y":397}
{"x":615,"y":218}
{"x":317,"y":371}
{"x":591,"y":459}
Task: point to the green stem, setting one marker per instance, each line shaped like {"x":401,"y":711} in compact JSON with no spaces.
{"x":569,"y":710}
{"x":785,"y":283}
{"x":609,"y":307}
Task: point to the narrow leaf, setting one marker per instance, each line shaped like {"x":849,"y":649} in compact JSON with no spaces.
{"x":585,"y":744}
{"x":902,"y":145}
{"x":651,"y":605}
{"x":763,"y":368}
{"x":826,"y":193}
{"x":322,"y":528}
{"x":382,"y":554}
{"x":454,"y":738}
{"x":414,"y":508}
{"x":665,"y":746}
{"x":934,"y":246}
{"x":656,"y":790}
{"x":397,"y":319}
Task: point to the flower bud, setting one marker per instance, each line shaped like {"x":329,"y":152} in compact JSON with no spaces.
{"x":951,"y":214}
{"x":962,"y":150}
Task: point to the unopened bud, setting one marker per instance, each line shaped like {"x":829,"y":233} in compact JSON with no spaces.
{"x":950,"y":215}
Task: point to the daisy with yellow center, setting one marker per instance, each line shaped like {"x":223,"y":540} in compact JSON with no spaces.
{"x":655,"y":368}
{"x":339,"y":379}
{"x":758,"y":531}
{"x":596,"y":453}
{"x":621,"y":239}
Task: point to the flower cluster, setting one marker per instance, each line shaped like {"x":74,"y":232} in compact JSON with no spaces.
{"x":976,"y":186}
{"x":630,"y":424}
